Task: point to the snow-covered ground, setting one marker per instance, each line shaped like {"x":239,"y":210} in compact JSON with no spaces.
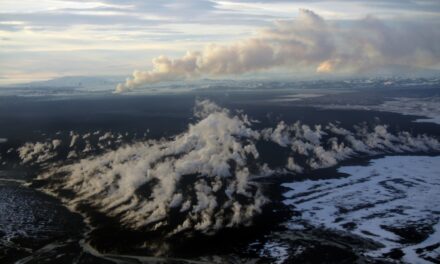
{"x":276,"y":250}
{"x":428,"y":107}
{"x":295,"y":97}
{"x":394,"y":200}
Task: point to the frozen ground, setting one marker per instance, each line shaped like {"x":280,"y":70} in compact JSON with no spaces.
{"x":295,"y":97}
{"x":428,"y":107}
{"x":29,"y":219}
{"x":394,"y":200}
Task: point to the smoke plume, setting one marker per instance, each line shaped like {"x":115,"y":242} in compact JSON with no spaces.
{"x":307,"y":43}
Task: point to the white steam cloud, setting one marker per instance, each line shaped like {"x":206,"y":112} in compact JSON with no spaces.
{"x":326,"y":147}
{"x":142,"y":183}
{"x":205,"y":178}
{"x":39,"y":152}
{"x":307,"y":43}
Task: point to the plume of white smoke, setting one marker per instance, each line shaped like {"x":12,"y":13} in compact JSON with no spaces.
{"x":74,"y":138}
{"x":341,"y":144}
{"x":309,"y":43}
{"x":39,"y":152}
{"x":56,"y":143}
{"x":141,"y":184}
{"x":205,"y":177}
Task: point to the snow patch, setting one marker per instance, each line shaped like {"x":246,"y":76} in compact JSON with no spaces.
{"x":391,"y":192}
{"x":428,"y":107}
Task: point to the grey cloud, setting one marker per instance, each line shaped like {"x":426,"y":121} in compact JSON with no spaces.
{"x":12,"y":28}
{"x":194,"y":11}
{"x":134,"y":13}
{"x":184,"y":8}
{"x":59,"y":20}
{"x":411,"y":5}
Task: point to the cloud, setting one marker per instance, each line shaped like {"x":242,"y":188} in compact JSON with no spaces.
{"x":112,"y":35}
{"x":39,"y":152}
{"x":308,"y":43}
{"x":74,"y":138}
{"x":326,"y":66}
{"x":204,"y":179}
{"x":323,"y":147}
{"x":202,"y":175}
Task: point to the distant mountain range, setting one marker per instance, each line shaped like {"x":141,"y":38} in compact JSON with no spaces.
{"x":86,"y":82}
{"x":100,"y":83}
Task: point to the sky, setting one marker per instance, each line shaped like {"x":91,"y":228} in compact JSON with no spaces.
{"x":154,"y":41}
